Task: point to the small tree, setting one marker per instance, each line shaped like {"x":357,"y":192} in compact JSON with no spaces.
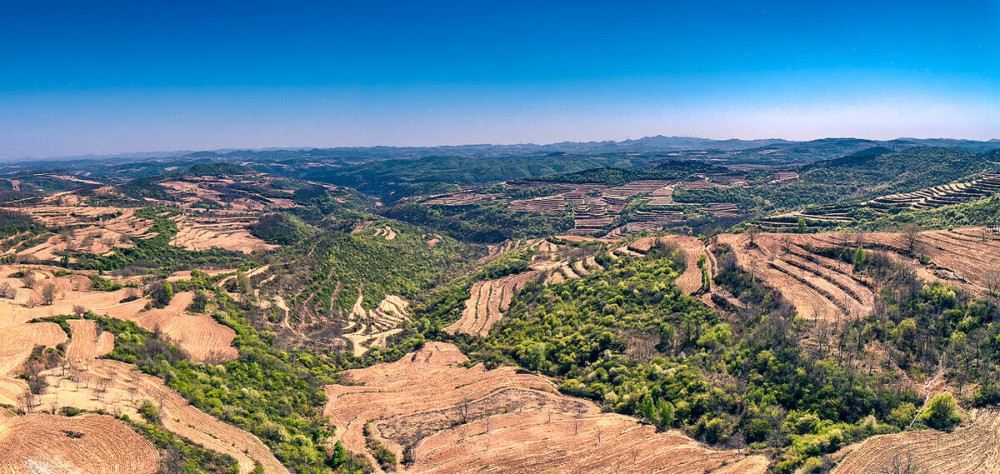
{"x":752,"y":232}
{"x":664,"y":413}
{"x":860,"y":257}
{"x":992,"y":282}
{"x":706,"y":280}
{"x":802,"y":225}
{"x":7,"y":290}
{"x":910,"y":234}
{"x":79,"y":310}
{"x":940,"y":413}
{"x":49,"y":293}
{"x":647,"y":409}
{"x":162,"y":293}
{"x":29,"y":279}
{"x":243,"y":283}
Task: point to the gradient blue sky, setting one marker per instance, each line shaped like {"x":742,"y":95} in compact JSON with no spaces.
{"x":107,"y":77}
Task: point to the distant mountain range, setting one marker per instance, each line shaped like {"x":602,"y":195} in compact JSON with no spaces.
{"x":796,"y":150}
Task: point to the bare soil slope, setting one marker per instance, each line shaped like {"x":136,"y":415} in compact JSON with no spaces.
{"x":456,"y":419}
{"x":96,"y":444}
{"x":974,"y":449}
{"x":119,"y":388}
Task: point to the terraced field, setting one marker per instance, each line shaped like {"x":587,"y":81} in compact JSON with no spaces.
{"x":929,"y":198}
{"x":91,"y":239}
{"x":818,"y":287}
{"x":823,"y":288}
{"x":596,"y":207}
{"x":488,"y":302}
{"x":973,"y":449}
{"x":693,"y":248}
{"x":964,"y":257}
{"x":373,"y":327}
{"x":199,"y":335}
{"x":944,"y":195}
{"x":116,"y":387}
{"x":489,"y":299}
{"x":87,"y":344}
{"x":17,"y":340}
{"x":458,"y":419}
{"x":97,"y":444}
{"x":462,"y":198}
{"x":227,"y":230}
{"x":96,"y":230}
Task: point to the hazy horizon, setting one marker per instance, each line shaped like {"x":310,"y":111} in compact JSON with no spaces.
{"x":122,"y":77}
{"x":226,"y":149}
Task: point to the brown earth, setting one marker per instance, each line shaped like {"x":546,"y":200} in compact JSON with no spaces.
{"x":488,"y":300}
{"x":17,"y":340}
{"x":973,"y":449}
{"x":220,"y":229}
{"x":86,"y":344}
{"x":818,"y":287}
{"x":120,"y":388}
{"x":458,"y":419}
{"x":374,"y":327}
{"x":96,"y":444}
{"x":200,"y":336}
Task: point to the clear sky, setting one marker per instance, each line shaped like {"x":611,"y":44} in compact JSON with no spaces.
{"x":107,"y":77}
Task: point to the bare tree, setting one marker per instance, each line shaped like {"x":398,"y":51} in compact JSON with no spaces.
{"x":7,"y":291}
{"x":752,"y":232}
{"x":26,"y":402}
{"x":903,"y":464}
{"x":49,"y":293}
{"x":753,"y":270}
{"x":79,"y":310}
{"x":29,"y":279}
{"x":464,"y":410}
{"x":992,"y":282}
{"x":786,"y":243}
{"x":910,"y":233}
{"x":112,"y":375}
{"x":101,"y":387}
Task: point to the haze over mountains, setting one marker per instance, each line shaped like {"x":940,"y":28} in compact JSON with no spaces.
{"x":659,"y":143}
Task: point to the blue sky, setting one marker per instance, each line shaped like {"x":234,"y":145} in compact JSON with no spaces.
{"x":108,"y":77}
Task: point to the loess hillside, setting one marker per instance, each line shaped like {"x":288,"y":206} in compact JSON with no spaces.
{"x":754,"y":307}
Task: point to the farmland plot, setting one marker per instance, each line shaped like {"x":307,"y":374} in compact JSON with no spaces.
{"x":96,"y":444}
{"x":119,"y":388}
{"x":818,"y":287}
{"x":973,"y":449}
{"x":457,"y":419}
{"x":373,"y":327}
{"x":488,"y":300}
